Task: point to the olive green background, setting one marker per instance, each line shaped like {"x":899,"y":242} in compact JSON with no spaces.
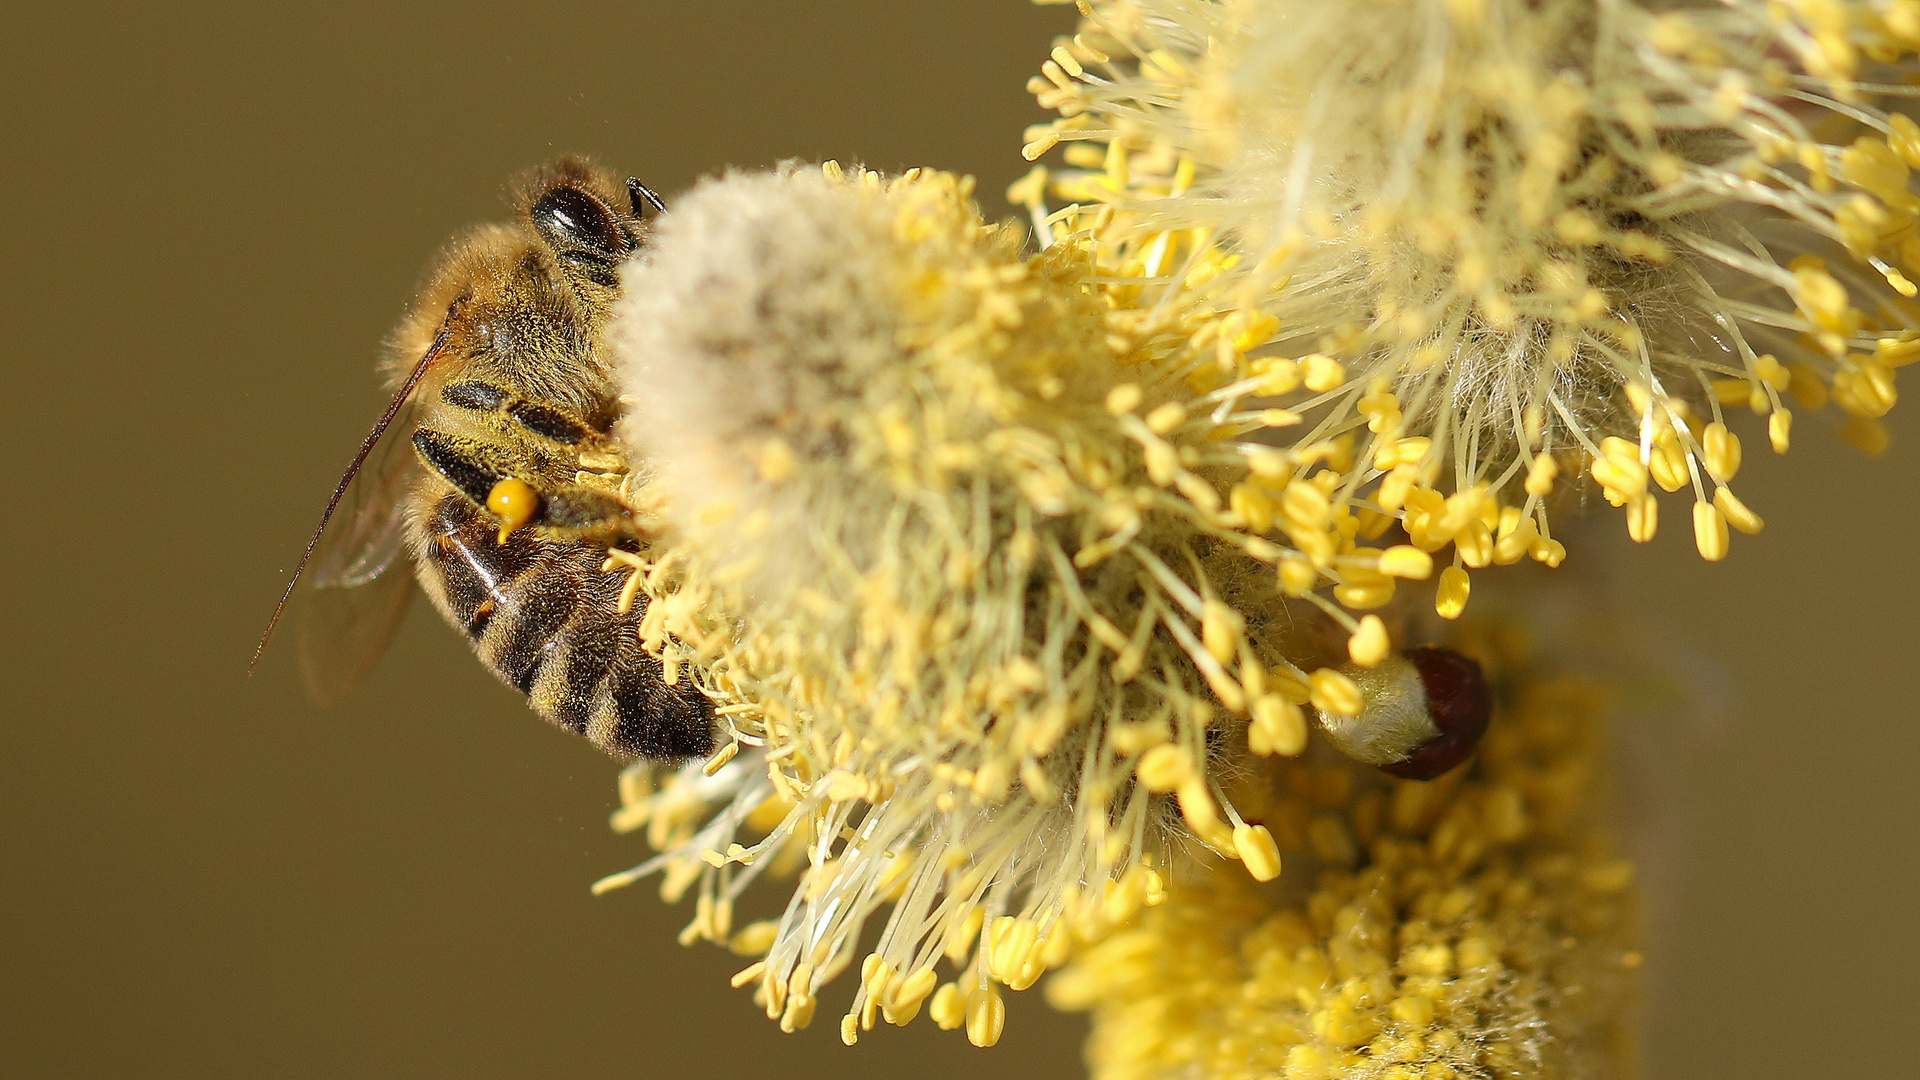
{"x":212,"y":215}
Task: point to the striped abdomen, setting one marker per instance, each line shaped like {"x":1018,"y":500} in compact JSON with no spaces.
{"x":541,"y":614}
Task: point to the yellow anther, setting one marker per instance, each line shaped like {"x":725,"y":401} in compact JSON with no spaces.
{"x":1202,"y":815}
{"x":1406,"y":561}
{"x":799,"y":1012}
{"x":1277,"y":374}
{"x":1030,"y":189}
{"x":1731,"y":391}
{"x":1369,"y":645}
{"x":1709,"y":531}
{"x":1255,"y":846}
{"x":1867,"y":390}
{"x":1167,"y":417}
{"x":1897,"y":352}
{"x":949,"y":1007}
{"x":1550,"y":552}
{"x":903,"y":1003}
{"x":1459,"y":510}
{"x":1866,"y":434}
{"x":1164,"y":767}
{"x":1220,"y":630}
{"x":1364,"y":595}
{"x":1668,"y":463}
{"x":754,"y":939}
{"x":1323,"y":373}
{"x":1779,"y":426}
{"x":1541,"y":474}
{"x":1806,"y":386}
{"x":1123,"y":398}
{"x":1772,"y":371}
{"x":986,"y":1016}
{"x":1278,"y":727}
{"x":1873,"y":166}
{"x":1013,"y":942}
{"x":1332,"y":692}
{"x":1475,"y":544}
{"x":1513,"y":546}
{"x":1621,"y":478}
{"x":1643,"y":517}
{"x":1721,"y":452}
{"x":1450,"y":599}
{"x":1305,"y":505}
{"x":1040,"y":145}
{"x":1298,"y":576}
{"x":1736,"y":512}
{"x":1407,"y":451}
{"x":514,"y":502}
{"x":1067,"y":61}
{"x":1822,"y":297}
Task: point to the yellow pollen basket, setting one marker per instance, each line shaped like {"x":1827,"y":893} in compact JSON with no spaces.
{"x":515,"y":502}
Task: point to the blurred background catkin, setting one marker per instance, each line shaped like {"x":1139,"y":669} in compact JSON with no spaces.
{"x":215,"y":213}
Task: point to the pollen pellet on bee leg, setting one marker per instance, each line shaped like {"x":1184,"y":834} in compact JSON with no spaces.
{"x":515,"y":502}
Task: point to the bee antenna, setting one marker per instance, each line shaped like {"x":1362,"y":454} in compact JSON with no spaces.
{"x":637,"y":193}
{"x":340,"y":490}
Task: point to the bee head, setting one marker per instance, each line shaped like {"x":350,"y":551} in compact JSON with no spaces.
{"x":575,"y":209}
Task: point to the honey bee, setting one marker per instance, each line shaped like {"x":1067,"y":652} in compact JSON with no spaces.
{"x":494,"y":470}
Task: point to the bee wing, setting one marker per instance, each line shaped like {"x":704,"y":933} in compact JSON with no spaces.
{"x":355,"y":597}
{"x":354,"y":603}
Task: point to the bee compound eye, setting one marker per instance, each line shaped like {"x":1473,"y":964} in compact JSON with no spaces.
{"x":1459,"y":704}
{"x":571,"y":219}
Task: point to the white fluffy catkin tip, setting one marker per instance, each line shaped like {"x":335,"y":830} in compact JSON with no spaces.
{"x":760,"y":309}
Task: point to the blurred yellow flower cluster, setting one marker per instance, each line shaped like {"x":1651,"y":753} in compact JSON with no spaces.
{"x":1481,"y":925}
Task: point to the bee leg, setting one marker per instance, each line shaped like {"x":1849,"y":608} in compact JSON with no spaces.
{"x":477,"y":470}
{"x":473,"y":468}
{"x":545,"y":421}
